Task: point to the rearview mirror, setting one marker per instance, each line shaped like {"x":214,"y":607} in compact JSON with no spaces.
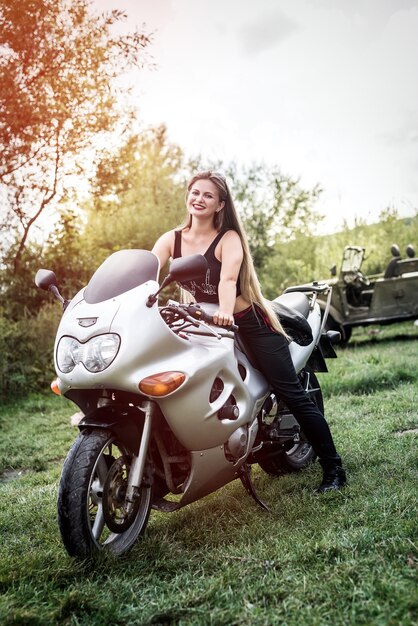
{"x":188,"y":267}
{"x":45,"y":279}
{"x":182,"y":269}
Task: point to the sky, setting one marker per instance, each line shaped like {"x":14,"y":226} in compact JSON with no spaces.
{"x":327,"y":90}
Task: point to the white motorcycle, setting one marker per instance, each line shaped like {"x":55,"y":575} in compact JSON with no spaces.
{"x":173,"y":407}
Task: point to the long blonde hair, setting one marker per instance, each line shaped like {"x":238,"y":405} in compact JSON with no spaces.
{"x":228,"y":219}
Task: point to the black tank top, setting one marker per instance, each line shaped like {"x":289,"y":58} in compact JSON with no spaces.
{"x":206,"y":291}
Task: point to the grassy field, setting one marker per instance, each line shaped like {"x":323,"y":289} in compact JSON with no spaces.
{"x":345,"y":558}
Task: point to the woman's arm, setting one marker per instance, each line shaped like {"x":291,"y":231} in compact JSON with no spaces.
{"x":163,"y":247}
{"x":231,"y":259}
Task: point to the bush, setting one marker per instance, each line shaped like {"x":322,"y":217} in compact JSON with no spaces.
{"x":26,"y":352}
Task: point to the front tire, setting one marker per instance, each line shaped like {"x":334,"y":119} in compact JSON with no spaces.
{"x":84,"y":492}
{"x":294,"y":456}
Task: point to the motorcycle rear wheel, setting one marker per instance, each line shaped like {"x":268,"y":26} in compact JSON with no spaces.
{"x":296,"y":456}
{"x":80,"y":497}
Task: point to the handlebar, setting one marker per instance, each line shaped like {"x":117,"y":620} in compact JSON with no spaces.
{"x":314,"y":287}
{"x":195,"y":311}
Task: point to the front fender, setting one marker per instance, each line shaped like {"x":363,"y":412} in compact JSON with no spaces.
{"x":125,"y":422}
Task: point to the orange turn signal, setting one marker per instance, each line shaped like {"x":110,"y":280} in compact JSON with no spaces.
{"x":55,"y":386}
{"x":161,"y":384}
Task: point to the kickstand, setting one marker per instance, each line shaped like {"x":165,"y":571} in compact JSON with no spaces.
{"x":245,"y":476}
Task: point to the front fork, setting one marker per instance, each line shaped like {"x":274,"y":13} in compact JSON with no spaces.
{"x":136,"y":473}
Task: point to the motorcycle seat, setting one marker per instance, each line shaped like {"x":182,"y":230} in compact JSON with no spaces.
{"x":295,"y":300}
{"x":292,"y":310}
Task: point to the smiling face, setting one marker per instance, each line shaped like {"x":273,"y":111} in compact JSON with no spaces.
{"x":203,"y":199}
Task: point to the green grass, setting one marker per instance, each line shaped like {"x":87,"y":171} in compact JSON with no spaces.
{"x":345,"y":558}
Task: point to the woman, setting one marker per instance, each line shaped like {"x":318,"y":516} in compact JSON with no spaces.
{"x":213,"y":228}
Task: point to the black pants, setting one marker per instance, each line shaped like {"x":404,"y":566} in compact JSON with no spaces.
{"x":271,"y":351}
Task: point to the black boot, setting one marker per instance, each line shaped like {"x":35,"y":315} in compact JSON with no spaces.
{"x":334,"y":477}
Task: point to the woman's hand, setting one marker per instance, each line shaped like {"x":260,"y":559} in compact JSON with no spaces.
{"x":223,"y":319}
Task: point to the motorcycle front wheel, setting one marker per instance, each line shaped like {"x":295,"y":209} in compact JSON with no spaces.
{"x":92,"y":512}
{"x":294,"y":456}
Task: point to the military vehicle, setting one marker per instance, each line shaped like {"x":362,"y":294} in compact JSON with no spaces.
{"x":360,"y":300}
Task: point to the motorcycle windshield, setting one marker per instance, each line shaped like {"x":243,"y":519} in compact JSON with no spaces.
{"x":120,"y":272}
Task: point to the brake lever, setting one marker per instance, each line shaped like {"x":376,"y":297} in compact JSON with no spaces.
{"x":210,"y":329}
{"x":191,"y":320}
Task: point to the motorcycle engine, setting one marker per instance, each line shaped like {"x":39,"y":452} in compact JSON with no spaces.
{"x":237,"y":443}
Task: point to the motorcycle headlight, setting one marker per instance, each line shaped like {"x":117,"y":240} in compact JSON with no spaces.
{"x":96,"y":354}
{"x":68,"y":354}
{"x":100,"y":351}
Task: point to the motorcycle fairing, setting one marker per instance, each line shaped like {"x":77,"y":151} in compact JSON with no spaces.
{"x":203,"y":429}
{"x":149,"y":346}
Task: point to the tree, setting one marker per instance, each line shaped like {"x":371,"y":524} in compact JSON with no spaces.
{"x":274,"y":208}
{"x":58,"y":93}
{"x":138,"y":193}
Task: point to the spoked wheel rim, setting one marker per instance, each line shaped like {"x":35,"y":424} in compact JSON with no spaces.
{"x":101,"y":535}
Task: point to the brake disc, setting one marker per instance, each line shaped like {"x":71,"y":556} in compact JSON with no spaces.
{"x":118,"y":513}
